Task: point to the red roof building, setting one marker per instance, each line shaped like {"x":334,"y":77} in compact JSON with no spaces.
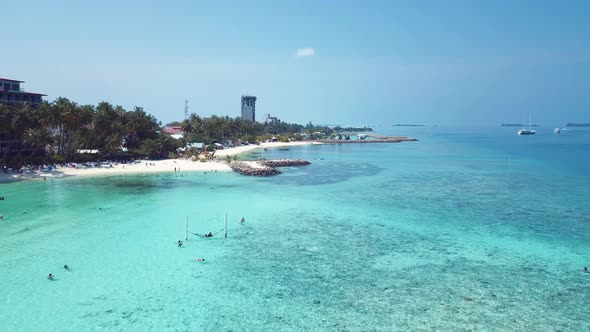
{"x":175,"y":130}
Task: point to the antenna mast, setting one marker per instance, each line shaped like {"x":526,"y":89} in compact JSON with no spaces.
{"x":185,"y":109}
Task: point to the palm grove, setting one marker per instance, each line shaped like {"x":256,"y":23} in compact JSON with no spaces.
{"x":58,"y":131}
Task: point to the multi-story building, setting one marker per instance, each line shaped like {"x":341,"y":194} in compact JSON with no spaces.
{"x":249,"y":108}
{"x":11,"y":92}
{"x":271,"y":119}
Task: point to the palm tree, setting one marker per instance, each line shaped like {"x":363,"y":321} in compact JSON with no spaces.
{"x":37,"y":138}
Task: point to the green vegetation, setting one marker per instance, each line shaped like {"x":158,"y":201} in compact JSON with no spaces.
{"x":216,"y":129}
{"x":63,"y":131}
{"x":56,"y":131}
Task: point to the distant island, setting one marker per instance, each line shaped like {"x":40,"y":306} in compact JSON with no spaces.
{"x":515,"y":125}
{"x":577,"y":124}
{"x":408,"y":125}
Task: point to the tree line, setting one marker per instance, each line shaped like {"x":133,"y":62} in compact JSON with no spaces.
{"x":55,"y":132}
{"x":225,"y":129}
{"x":64,"y":131}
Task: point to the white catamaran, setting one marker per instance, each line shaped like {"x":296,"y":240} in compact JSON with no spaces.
{"x":525,"y":131}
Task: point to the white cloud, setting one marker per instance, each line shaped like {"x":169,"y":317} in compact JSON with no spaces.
{"x":304,"y":52}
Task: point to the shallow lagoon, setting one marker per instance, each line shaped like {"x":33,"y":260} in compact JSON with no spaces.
{"x":460,"y":231}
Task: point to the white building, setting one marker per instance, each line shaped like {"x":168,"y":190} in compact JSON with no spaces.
{"x":271,"y":119}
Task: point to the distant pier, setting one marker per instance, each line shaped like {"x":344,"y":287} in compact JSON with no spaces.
{"x":362,"y":138}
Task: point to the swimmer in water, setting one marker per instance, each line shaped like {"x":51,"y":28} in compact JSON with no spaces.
{"x":66,"y":267}
{"x":201,"y":260}
{"x":585,"y":269}
{"x":242,"y":220}
{"x":179,"y":243}
{"x":50,"y":276}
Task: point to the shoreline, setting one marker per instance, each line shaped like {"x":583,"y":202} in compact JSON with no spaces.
{"x":153,"y":166}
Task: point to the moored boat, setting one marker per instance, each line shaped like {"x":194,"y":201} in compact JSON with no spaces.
{"x":525,"y":131}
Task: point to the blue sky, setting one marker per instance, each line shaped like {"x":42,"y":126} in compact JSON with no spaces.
{"x":367,"y":62}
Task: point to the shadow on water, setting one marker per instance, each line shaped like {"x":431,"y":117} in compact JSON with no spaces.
{"x":146,"y":184}
{"x":321,"y":174}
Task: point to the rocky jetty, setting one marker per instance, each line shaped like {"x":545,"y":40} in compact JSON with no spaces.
{"x":284,"y":162}
{"x":395,"y":139}
{"x":264,"y":167}
{"x":252,"y":168}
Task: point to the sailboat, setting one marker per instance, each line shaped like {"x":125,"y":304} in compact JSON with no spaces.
{"x":525,"y":131}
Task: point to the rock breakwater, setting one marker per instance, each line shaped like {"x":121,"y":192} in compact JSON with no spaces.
{"x":284,"y":162}
{"x":264,"y":167}
{"x":378,"y":140}
{"x":252,"y":168}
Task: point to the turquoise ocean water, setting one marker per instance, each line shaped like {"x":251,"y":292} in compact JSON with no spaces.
{"x":465,"y":230}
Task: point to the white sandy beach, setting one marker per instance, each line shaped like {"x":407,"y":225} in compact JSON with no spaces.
{"x":149,"y":166}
